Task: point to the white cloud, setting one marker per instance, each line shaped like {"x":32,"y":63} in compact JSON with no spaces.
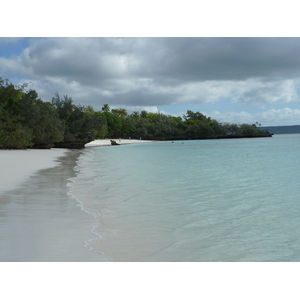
{"x":233,"y":117}
{"x":13,"y":66}
{"x":254,"y":91}
{"x":198,"y":92}
{"x":285,"y":116}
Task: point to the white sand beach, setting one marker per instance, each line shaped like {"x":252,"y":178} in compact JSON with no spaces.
{"x":107,"y":142}
{"x":38,"y":220}
{"x":18,"y":165}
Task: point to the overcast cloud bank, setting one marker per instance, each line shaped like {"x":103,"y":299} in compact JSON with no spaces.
{"x":231,"y":79}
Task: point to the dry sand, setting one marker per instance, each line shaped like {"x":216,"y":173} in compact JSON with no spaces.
{"x":16,"y":166}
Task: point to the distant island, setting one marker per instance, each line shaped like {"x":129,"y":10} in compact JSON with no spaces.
{"x":28,"y":122}
{"x":282,"y":129}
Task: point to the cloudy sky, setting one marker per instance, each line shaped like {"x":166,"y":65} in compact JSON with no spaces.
{"x":230,"y":79}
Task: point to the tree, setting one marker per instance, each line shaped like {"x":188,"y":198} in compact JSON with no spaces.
{"x":139,"y":127}
{"x":166,"y":127}
{"x":95,"y":124}
{"x":114,"y":125}
{"x":89,"y":109}
{"x":120,"y":112}
{"x":135,"y":115}
{"x":101,"y":129}
{"x":105,"y":108}
{"x":13,"y":134}
{"x":190,"y":115}
{"x":144,"y":114}
{"x":75,"y":121}
{"x":249,"y":130}
{"x":42,"y":118}
{"x":233,"y":129}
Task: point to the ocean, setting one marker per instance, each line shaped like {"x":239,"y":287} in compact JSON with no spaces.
{"x":193,"y":201}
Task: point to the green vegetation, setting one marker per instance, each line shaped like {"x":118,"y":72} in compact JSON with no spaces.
{"x":27,"y":121}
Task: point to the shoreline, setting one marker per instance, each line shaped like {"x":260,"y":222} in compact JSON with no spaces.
{"x":39,"y":221}
{"x":17,"y":166}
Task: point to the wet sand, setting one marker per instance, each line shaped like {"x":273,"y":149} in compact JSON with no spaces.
{"x":39,"y":222}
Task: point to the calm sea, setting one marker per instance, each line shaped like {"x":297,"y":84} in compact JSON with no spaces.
{"x":204,"y":200}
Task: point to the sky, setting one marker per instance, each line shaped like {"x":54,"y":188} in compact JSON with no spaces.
{"x":238,"y":79}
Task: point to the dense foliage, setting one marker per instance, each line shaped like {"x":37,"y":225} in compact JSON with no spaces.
{"x":27,"y":121}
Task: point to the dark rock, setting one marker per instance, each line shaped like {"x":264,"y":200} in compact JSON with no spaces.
{"x":114,"y":143}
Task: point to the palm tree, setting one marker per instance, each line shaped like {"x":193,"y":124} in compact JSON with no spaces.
{"x":106,"y":108}
{"x":120,"y":112}
{"x":135,"y":115}
{"x":144,"y":114}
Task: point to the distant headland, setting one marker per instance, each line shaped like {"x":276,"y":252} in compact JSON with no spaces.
{"x":26,"y":121}
{"x":282,"y":129}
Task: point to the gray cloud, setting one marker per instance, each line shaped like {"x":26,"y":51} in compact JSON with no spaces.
{"x":190,"y":59}
{"x":161,"y":71}
{"x":194,"y":59}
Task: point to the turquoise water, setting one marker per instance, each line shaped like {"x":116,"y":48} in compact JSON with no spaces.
{"x":205,"y":200}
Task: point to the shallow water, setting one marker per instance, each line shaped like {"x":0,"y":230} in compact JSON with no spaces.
{"x":205,"y":200}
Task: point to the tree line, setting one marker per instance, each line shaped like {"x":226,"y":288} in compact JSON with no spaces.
{"x":28,"y":122}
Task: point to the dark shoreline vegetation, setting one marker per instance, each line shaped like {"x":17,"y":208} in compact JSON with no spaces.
{"x":28,"y":122}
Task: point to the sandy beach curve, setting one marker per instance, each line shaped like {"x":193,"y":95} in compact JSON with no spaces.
{"x":18,"y":165}
{"x":39,"y":221}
